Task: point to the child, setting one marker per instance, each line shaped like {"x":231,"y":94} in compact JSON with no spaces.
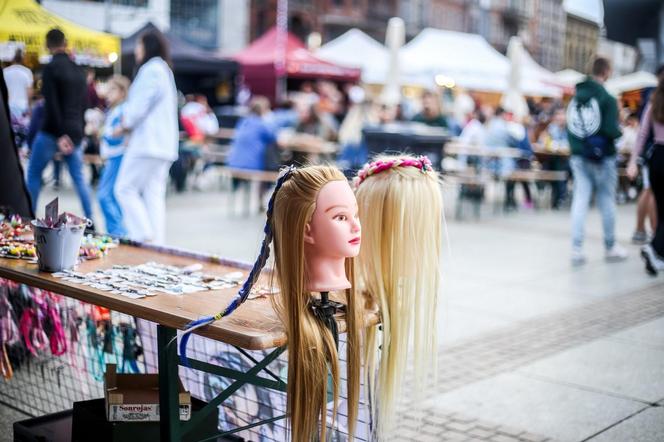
{"x":111,"y":148}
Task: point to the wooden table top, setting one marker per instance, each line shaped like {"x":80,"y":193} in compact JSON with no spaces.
{"x":253,"y":326}
{"x":455,"y":148}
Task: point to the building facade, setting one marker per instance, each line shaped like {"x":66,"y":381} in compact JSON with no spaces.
{"x":221,"y":25}
{"x":581,"y":42}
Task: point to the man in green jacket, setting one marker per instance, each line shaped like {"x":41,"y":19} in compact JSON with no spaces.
{"x":592,"y":127}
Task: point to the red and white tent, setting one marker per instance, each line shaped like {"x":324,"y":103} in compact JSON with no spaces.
{"x":259,"y":64}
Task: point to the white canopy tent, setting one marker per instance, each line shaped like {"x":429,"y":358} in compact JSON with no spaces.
{"x":448,"y":57}
{"x":631,"y":82}
{"x":356,"y":49}
{"x":468,"y":60}
{"x":569,"y":77}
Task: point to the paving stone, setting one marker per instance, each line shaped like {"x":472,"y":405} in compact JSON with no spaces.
{"x":481,"y":433}
{"x":437,"y":420}
{"x":431,"y":429}
{"x":460,"y":426}
{"x":454,"y":436}
{"x":503,"y":438}
{"x":424,"y":437}
{"x":530,"y":437}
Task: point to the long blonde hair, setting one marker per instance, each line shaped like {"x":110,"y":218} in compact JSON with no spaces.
{"x":311,"y":347}
{"x":401,"y":213}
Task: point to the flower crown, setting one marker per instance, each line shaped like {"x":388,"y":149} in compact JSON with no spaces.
{"x":422,"y":162}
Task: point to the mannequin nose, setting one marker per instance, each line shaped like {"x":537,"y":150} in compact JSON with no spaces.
{"x":356,"y":226}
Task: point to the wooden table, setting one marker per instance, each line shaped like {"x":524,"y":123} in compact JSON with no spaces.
{"x":456,"y":148}
{"x":311,"y":146}
{"x":253,"y":326}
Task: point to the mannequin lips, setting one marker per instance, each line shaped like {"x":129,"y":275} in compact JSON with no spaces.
{"x":355,"y":240}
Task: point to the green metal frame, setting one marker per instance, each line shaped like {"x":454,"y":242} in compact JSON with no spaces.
{"x":171,"y":429}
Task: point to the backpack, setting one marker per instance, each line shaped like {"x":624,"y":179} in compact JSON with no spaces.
{"x":584,"y":121}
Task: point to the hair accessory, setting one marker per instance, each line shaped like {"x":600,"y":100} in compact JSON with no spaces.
{"x":244,"y":291}
{"x":422,"y":162}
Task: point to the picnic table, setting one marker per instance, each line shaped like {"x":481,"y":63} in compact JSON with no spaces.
{"x":253,"y":326}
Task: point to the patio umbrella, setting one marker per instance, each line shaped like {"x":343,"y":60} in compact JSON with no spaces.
{"x":394,"y":40}
{"x":513,"y":100}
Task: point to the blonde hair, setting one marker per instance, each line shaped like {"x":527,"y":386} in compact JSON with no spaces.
{"x":121,"y":82}
{"x":311,"y":347}
{"x":401,"y":212}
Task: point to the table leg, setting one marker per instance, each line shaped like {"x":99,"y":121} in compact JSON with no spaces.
{"x":169,"y":419}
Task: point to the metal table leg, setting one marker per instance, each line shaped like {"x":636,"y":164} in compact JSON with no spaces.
{"x":169,"y":407}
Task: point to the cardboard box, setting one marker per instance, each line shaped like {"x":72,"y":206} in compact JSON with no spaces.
{"x":135,"y":397}
{"x":89,"y":423}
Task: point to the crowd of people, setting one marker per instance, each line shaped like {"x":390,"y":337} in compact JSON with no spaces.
{"x":135,"y":128}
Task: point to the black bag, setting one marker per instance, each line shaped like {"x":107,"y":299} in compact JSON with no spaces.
{"x":595,"y":148}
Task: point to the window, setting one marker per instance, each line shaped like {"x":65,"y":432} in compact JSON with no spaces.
{"x":195,"y":21}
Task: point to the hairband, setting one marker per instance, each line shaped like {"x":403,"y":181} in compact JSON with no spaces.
{"x":422,"y":162}
{"x":244,"y":291}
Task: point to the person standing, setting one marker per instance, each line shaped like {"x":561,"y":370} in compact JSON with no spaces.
{"x":111,"y":149}
{"x":150,"y":116}
{"x":592,"y":127}
{"x":64,"y":91}
{"x":19,"y":82}
{"x":653,"y":120}
{"x":431,"y":114}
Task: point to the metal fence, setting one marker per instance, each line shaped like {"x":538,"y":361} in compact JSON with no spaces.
{"x":35,"y":326}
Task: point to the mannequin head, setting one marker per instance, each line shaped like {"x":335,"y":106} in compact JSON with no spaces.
{"x":332,"y":235}
{"x":401,"y":210}
{"x":314,"y":224}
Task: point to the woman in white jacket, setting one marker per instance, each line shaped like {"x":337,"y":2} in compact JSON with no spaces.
{"x":150,"y":118}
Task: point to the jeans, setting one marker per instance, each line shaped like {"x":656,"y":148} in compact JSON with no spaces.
{"x":106,"y":195}
{"x":601,"y":177}
{"x":140,"y":188}
{"x":43,"y":149}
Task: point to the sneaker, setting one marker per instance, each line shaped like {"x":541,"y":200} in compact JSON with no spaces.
{"x":615,"y":254}
{"x":653,"y":263}
{"x":639,"y":238}
{"x":578,"y":258}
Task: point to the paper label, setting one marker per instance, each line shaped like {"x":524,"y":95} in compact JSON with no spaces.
{"x":142,"y":413}
{"x":52,"y":211}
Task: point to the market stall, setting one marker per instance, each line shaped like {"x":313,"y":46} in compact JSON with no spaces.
{"x":355,"y":49}
{"x":468,"y":60}
{"x":25,"y":21}
{"x":258,"y":64}
{"x":195,"y":70}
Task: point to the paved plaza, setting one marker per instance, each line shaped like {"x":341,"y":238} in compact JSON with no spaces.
{"x":531,"y":348}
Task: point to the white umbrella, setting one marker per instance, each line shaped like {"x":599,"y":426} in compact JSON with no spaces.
{"x":394,"y":40}
{"x":513,"y":100}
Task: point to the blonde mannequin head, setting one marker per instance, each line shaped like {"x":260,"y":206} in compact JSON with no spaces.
{"x":400,"y":206}
{"x":311,"y":347}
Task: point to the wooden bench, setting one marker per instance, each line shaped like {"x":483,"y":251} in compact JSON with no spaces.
{"x":254,"y":180}
{"x":472,"y":187}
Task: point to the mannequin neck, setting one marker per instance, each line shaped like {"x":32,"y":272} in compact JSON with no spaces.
{"x":326,"y":274}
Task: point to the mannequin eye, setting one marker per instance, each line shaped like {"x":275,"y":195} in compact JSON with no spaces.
{"x":341,"y":217}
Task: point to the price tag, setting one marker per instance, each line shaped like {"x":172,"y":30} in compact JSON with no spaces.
{"x":52,"y":212}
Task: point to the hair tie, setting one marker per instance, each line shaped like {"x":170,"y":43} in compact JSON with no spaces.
{"x":422,"y":162}
{"x":242,"y":294}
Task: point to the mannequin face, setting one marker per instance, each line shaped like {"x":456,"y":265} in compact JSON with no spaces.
{"x":334,"y":230}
